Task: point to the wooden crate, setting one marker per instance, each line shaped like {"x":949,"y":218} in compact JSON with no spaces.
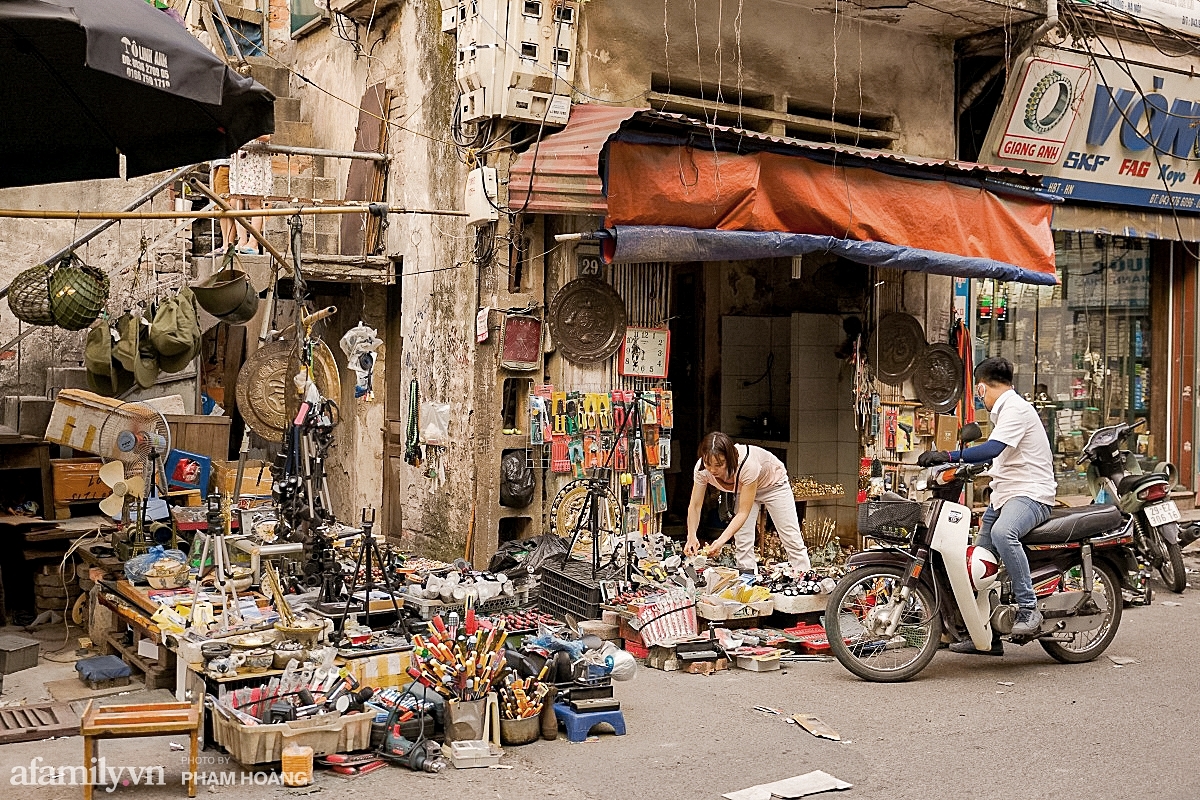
{"x":200,"y":434}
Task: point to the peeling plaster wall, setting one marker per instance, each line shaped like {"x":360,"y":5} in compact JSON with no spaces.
{"x":817,"y":59}
{"x":409,"y":53}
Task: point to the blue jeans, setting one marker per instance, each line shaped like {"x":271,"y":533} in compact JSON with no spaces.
{"x":1001,"y":532}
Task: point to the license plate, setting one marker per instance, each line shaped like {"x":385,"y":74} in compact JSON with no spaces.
{"x":1162,"y":513}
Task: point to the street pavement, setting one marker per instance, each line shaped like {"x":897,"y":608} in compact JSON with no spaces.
{"x":1094,"y":731}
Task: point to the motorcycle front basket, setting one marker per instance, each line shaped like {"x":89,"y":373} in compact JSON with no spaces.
{"x":893,"y":521}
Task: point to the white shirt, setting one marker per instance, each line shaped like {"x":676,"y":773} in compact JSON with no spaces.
{"x":1026,"y":467}
{"x":755,"y":464}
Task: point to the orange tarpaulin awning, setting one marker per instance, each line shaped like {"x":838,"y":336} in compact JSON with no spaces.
{"x":681,"y":189}
{"x":694,"y":187}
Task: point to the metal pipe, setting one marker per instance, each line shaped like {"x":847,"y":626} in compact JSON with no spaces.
{"x":290,"y":150}
{"x":282,"y":211}
{"x":977,"y":88}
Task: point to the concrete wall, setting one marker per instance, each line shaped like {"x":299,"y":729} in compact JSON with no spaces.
{"x":415,"y":60}
{"x":832,"y":63}
{"x":26,"y":242}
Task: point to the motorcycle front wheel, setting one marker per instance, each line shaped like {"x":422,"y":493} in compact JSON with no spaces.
{"x":859,"y":644}
{"x":1087,"y":645}
{"x":1172,"y":571}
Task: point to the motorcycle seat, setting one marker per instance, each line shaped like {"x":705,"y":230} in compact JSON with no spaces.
{"x":1075,"y":524}
{"x":1130,"y":483}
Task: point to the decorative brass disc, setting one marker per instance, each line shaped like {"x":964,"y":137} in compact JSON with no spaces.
{"x":938,"y":378}
{"x":587,"y":321}
{"x":564,"y":517}
{"x":899,"y":342}
{"x":266,"y":394}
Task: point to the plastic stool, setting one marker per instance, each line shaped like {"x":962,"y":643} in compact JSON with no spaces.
{"x":578,"y":725}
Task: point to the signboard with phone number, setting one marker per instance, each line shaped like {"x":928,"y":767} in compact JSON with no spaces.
{"x":1103,"y":131}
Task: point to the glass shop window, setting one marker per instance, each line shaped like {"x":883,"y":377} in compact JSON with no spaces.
{"x":1081,"y":350}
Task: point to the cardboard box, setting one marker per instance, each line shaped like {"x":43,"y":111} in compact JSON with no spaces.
{"x":662,"y":657}
{"x":947,"y":432}
{"x":77,"y":479}
{"x":79,"y":416}
{"x":760,"y":663}
{"x":716,"y":608}
{"x":705,"y":667}
{"x":225,"y":473}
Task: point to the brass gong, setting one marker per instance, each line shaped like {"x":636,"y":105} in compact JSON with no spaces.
{"x":266,"y":394}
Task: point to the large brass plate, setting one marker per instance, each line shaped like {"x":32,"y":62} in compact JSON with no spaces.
{"x":587,"y":321}
{"x":938,"y":378}
{"x":899,"y":343}
{"x":266,"y":395}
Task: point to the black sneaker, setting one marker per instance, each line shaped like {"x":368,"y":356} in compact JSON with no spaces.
{"x":1029,"y":622}
{"x":967,"y":647}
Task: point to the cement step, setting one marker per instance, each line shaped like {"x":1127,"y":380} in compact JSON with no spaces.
{"x":27,"y":414}
{"x":271,"y":75}
{"x":293,"y":134}
{"x":287,"y":109}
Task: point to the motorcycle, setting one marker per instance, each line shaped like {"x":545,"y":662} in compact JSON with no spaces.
{"x":1114,"y":475}
{"x":886,"y":618}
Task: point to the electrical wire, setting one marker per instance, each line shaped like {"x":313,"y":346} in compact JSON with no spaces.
{"x":1155,"y":149}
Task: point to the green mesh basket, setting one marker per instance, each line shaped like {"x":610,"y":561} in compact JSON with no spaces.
{"x":77,"y":294}
{"x":29,"y":296}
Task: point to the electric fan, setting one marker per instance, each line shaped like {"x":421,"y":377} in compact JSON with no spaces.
{"x":136,"y":436}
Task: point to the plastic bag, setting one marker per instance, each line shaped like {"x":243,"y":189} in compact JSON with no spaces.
{"x":516,"y":480}
{"x":137,"y":567}
{"x":435,"y":424}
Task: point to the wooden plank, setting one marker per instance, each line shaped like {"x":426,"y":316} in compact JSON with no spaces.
{"x":365,"y":178}
{"x":146,"y":707}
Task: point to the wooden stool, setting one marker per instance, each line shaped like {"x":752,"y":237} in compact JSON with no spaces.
{"x":132,"y":721}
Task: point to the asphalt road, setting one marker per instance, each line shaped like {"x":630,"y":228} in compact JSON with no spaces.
{"x":1094,"y":731}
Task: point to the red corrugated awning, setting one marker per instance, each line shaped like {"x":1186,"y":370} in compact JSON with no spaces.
{"x":644,"y":168}
{"x":567,"y":179}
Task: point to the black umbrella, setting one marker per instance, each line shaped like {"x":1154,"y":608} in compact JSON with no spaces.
{"x":81,"y":80}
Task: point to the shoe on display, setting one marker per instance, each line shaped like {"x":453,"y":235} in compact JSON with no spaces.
{"x":1029,"y":622}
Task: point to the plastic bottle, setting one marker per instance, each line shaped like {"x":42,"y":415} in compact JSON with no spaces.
{"x":297,"y":765}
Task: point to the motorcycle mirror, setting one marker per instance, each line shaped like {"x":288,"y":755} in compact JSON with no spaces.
{"x":970,"y":433}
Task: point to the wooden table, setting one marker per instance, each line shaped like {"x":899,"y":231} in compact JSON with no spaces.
{"x":133,"y":721}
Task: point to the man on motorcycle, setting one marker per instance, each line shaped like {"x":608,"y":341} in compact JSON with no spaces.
{"x":1023,"y":487}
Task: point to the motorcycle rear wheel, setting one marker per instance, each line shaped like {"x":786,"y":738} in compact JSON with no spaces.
{"x":1171,"y":569}
{"x":1088,"y":645}
{"x":870,"y":657}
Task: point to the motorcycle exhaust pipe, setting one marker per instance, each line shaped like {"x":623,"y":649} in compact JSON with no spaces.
{"x":1003,"y":619}
{"x":1189,"y":534}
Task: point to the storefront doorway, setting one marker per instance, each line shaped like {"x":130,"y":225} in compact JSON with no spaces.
{"x":1082,"y":350}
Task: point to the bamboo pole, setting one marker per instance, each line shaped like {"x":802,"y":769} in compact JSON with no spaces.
{"x":279,"y":211}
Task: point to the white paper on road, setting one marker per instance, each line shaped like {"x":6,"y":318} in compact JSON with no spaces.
{"x":813,"y":782}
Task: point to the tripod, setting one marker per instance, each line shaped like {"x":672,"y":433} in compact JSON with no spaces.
{"x":598,"y":486}
{"x":215,"y":545}
{"x":368,"y":549}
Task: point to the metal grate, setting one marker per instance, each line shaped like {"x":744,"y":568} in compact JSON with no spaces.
{"x":35,"y":722}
